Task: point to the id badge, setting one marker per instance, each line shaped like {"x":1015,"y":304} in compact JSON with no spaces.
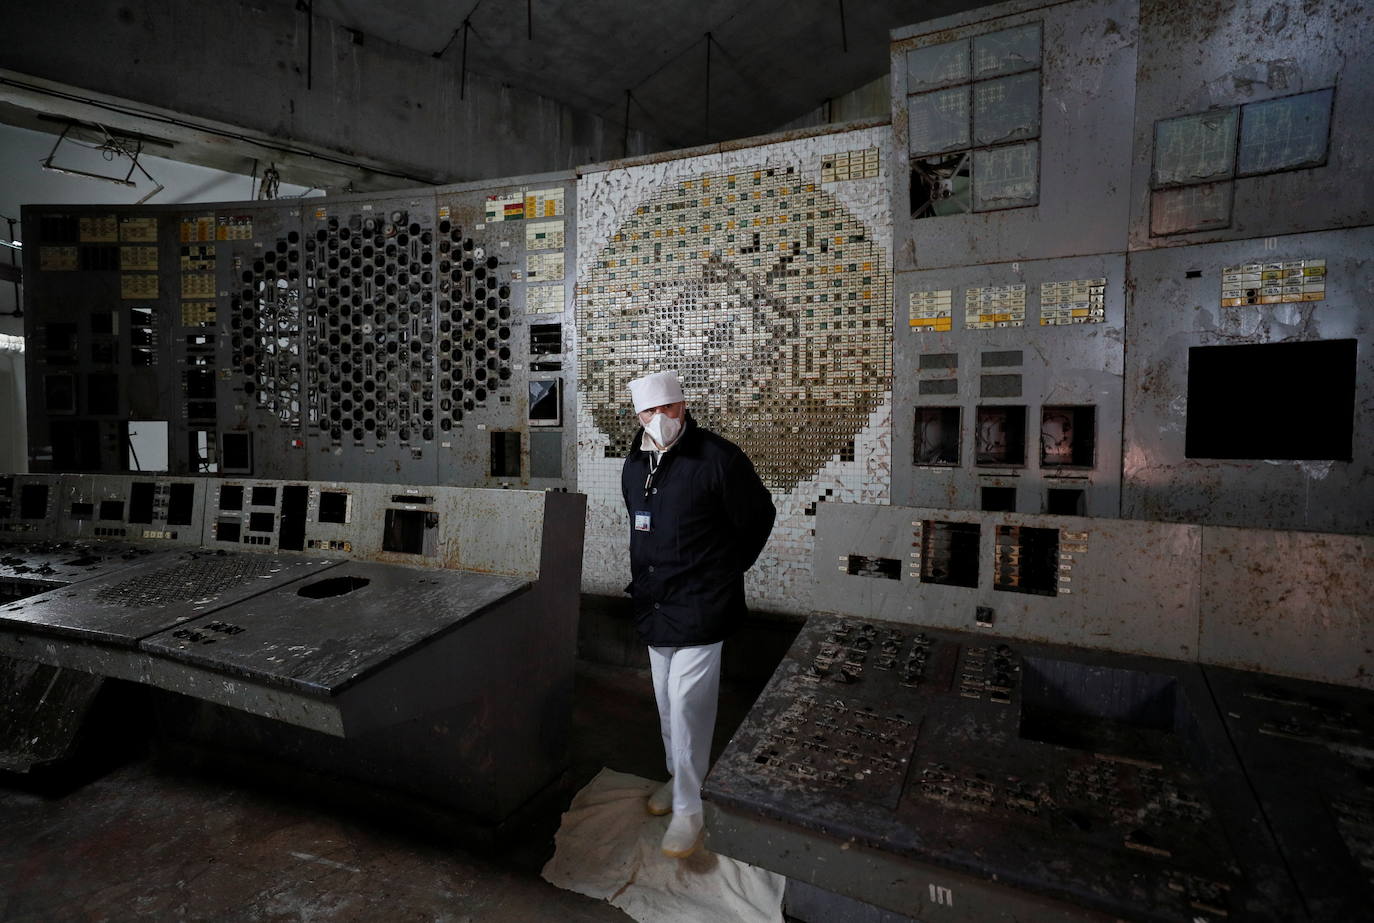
{"x":642,"y":521}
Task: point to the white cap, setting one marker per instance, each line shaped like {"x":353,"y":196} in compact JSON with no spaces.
{"x":656,"y":390}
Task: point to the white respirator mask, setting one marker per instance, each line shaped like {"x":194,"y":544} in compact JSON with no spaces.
{"x":663,"y":429}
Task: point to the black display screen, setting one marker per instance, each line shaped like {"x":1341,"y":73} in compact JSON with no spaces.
{"x":1272,"y":400}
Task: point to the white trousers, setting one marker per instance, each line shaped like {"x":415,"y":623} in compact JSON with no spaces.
{"x":686,"y":685}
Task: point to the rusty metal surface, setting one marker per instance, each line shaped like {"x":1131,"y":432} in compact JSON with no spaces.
{"x":1097,"y":780}
{"x":1293,"y":603}
{"x":1176,"y":305}
{"x":1246,"y":51}
{"x":1132,"y":587}
{"x":325,"y":645}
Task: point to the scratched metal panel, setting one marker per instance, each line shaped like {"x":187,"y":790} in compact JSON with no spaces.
{"x":479,"y":529}
{"x":94,"y":506}
{"x":323,"y":645}
{"x":1132,"y":586}
{"x":31,"y":568}
{"x":1176,"y":304}
{"x":158,"y":593}
{"x":1070,"y":364}
{"x":1087,"y":60}
{"x":1293,"y":603}
{"x":1198,"y":58}
{"x":38,"y":551}
{"x":98,"y":321}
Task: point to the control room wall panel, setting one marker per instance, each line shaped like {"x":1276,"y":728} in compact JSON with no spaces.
{"x":762,"y":275}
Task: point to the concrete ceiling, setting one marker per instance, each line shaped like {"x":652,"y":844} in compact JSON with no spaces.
{"x":771,"y":61}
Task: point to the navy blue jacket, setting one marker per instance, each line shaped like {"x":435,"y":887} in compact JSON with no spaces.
{"x":708,"y":516}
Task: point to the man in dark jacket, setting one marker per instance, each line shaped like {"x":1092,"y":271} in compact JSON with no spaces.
{"x":699,"y":516}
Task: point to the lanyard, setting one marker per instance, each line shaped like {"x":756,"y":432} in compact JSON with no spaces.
{"x":653,"y":469}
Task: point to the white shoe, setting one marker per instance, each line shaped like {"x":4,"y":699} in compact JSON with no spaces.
{"x":661,"y":801}
{"x":684,"y":835}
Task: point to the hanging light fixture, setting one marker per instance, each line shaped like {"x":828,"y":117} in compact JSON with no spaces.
{"x":111,"y":148}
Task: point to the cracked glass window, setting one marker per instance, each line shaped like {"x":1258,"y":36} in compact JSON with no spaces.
{"x":1195,"y":148}
{"x":973,"y":105}
{"x":1007,"y":51}
{"x":1284,"y":134}
{"x":937,"y":66}
{"x":1197,"y":156}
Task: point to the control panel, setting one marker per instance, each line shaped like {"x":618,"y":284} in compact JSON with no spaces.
{"x":421,"y":337}
{"x":1100,"y":781}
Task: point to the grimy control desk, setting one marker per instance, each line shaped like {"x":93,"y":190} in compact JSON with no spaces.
{"x":971,"y":778}
{"x":417,"y":639}
{"x":1003,"y":716}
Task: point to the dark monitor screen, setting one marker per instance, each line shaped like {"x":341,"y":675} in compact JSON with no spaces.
{"x":231,"y":497}
{"x":405,"y":531}
{"x":333,"y":506}
{"x":33,"y":501}
{"x":180,"y":504}
{"x":141,"y":501}
{"x":236,"y":452}
{"x":1272,"y":400}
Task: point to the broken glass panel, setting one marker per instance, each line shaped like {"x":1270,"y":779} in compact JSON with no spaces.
{"x":936,"y":66}
{"x":939,"y":121}
{"x":1190,"y":208}
{"x":940,"y":186}
{"x":1195,"y":148}
{"x":1006,"y":109}
{"x":1006,"y":177}
{"x":1007,"y":52}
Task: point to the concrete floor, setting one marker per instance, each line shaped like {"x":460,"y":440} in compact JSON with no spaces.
{"x":148,"y":838}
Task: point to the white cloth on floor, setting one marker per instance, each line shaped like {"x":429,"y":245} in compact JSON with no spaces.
{"x":687,"y":688}
{"x":608,"y":847}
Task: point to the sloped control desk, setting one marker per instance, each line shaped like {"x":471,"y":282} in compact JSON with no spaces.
{"x":448,"y":678}
{"x":955,"y":776}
